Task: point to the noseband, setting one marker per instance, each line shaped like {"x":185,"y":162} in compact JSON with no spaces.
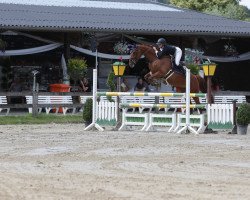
{"x":134,"y":61}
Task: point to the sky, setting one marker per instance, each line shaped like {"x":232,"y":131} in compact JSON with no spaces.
{"x":245,"y":3}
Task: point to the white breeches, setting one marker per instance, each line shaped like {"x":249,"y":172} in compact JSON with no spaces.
{"x":178,"y":54}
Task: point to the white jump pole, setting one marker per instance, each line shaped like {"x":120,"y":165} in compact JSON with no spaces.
{"x":94,"y":124}
{"x":188,"y":127}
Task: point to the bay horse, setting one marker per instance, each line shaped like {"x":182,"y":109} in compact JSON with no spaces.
{"x":162,"y":69}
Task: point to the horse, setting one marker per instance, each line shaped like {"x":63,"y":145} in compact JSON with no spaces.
{"x":163,"y":69}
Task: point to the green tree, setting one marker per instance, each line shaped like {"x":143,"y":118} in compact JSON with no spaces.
{"x":226,"y":8}
{"x":231,"y":11}
{"x":77,"y":68}
{"x":202,"y":5}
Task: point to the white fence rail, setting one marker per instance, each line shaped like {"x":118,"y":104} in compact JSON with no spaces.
{"x":106,"y":110}
{"x":220,"y":113}
{"x":216,"y":113}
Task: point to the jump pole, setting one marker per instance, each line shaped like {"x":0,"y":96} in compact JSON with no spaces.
{"x":94,"y":124}
{"x":187,"y":128}
{"x":149,"y":94}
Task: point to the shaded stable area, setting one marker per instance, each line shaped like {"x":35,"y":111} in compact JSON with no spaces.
{"x":232,"y":76}
{"x":229,"y":75}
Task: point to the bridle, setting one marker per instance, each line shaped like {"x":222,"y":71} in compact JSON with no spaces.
{"x":134,"y":61}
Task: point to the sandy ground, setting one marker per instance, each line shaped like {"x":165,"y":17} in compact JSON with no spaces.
{"x":64,"y":162}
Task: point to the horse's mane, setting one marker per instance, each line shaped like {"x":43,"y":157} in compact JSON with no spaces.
{"x":150,"y":48}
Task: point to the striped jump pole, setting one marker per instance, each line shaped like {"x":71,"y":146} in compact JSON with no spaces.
{"x":136,"y":105}
{"x":149,"y":94}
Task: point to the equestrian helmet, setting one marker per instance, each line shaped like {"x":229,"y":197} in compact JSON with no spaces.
{"x":161,"y":41}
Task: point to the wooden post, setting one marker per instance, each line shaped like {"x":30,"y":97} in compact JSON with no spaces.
{"x":118,"y":124}
{"x":35,"y":103}
{"x":118,"y":100}
{"x":209,"y":92}
{"x":35,"y":95}
{"x":234,"y":130}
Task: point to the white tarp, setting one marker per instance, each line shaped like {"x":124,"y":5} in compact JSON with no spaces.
{"x":34,"y":50}
{"x":79,"y":49}
{"x":52,"y":45}
{"x":100,"y":55}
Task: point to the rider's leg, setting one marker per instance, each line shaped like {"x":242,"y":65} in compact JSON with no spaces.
{"x":178,"y":54}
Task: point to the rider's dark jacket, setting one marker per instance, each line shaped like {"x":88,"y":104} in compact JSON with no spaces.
{"x":167,"y":50}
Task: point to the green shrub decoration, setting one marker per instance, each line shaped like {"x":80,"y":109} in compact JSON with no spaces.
{"x":111,"y":84}
{"x":6,"y":73}
{"x":194,"y":69}
{"x":77,"y":68}
{"x":243,"y":114}
{"x":87,"y":110}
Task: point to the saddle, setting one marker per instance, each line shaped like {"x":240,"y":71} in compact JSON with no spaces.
{"x":175,"y":69}
{"x":179,"y":69}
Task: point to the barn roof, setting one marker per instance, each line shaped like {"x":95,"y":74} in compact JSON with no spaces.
{"x":129,"y":16}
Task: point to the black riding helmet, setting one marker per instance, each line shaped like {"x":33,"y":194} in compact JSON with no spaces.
{"x":161,"y":41}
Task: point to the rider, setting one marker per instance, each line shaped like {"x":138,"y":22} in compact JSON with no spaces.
{"x":166,"y":49}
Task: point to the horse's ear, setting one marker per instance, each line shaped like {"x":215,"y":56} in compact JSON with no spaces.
{"x":131,"y":48}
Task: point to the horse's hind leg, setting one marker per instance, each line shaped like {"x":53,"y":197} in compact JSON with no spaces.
{"x":194,"y":88}
{"x":197,"y":101}
{"x":179,"y":90}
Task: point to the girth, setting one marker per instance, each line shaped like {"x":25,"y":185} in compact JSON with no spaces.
{"x":168,"y":75}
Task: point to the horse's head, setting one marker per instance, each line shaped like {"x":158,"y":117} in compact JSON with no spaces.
{"x":135,"y":56}
{"x":140,"y":50}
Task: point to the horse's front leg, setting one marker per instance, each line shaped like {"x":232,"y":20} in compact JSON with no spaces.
{"x":148,"y":79}
{"x":147,"y":75}
{"x":155,"y":75}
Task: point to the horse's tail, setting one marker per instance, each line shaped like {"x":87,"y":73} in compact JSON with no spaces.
{"x":202,"y":84}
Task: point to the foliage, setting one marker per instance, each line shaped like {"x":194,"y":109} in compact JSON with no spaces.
{"x":226,"y":8}
{"x":41,"y":119}
{"x":6,"y":73}
{"x":202,"y":5}
{"x":111,"y":84}
{"x":87,"y":110}
{"x":243,"y":114}
{"x":194,"y":69}
{"x":122,"y":48}
{"x":232,"y":11}
{"x":77,"y":68}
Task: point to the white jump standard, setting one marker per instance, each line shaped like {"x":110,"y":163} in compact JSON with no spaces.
{"x":94,"y":124}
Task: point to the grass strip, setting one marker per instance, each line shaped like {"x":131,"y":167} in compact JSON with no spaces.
{"x":41,"y":119}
